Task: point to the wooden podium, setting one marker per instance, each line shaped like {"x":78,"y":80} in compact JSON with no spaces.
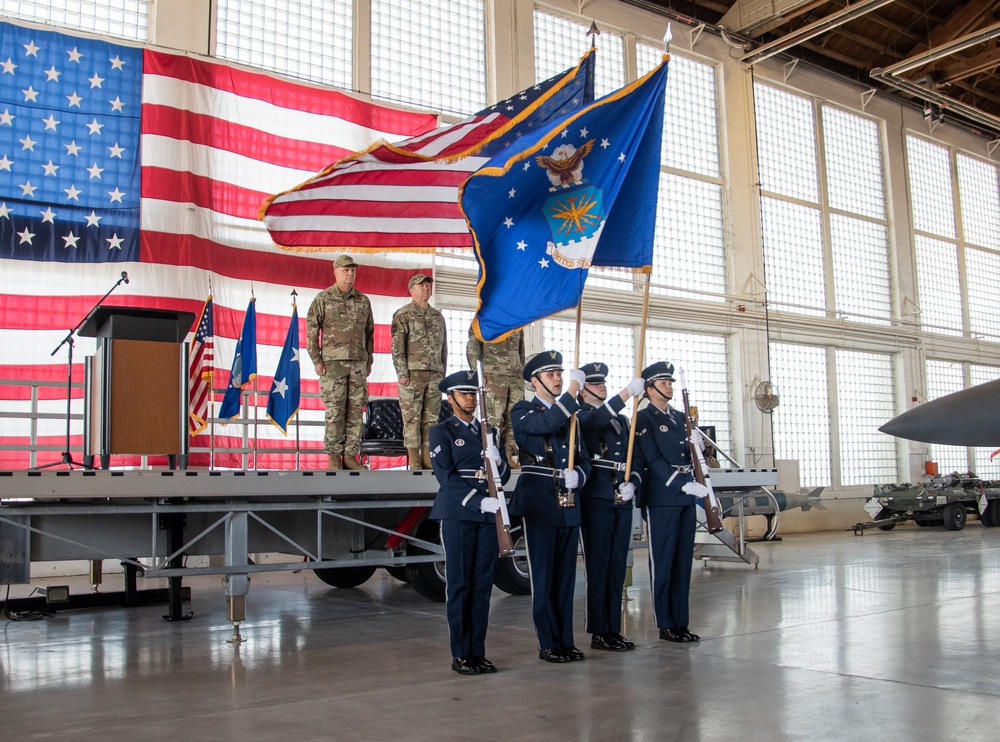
{"x":136,"y":384}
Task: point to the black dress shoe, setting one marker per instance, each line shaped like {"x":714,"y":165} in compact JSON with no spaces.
{"x":679,"y":634}
{"x":483,"y":664}
{"x":464,"y":666}
{"x":606,"y":643}
{"x":624,"y":641}
{"x":572,"y":654}
{"x":552,"y":655}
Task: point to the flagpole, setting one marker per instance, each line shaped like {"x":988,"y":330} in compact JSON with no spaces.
{"x":211,"y":394}
{"x":576,"y":364}
{"x":640,"y":352}
{"x":256,"y":411}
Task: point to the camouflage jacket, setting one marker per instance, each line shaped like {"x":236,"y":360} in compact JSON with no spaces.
{"x":419,"y":340}
{"x":505,"y":358}
{"x":340,"y":327}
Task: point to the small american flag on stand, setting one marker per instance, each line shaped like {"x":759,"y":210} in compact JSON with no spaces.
{"x":202,"y":358}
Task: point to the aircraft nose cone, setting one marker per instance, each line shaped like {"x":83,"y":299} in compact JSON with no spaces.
{"x":966,"y":418}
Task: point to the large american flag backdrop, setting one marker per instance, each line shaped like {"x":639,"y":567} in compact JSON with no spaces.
{"x":120,"y":158}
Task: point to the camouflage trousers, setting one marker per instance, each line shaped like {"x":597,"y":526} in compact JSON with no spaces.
{"x":344,"y":389}
{"x":502,"y":393}
{"x":420,"y":404}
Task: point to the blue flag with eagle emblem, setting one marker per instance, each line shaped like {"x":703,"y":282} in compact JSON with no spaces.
{"x":578,"y":193}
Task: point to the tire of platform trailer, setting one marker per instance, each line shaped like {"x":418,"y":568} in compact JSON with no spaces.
{"x":399,"y":572}
{"x":954,"y":516}
{"x":512,"y":572}
{"x":885,"y":513}
{"x":427,"y":578}
{"x":989,"y":517}
{"x":345,"y":576}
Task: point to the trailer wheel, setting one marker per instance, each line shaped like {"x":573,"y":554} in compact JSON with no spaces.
{"x":885,"y":513}
{"x":399,"y":572}
{"x":345,"y":576}
{"x":989,"y":517}
{"x":512,"y":572}
{"x":954,"y":516}
{"x":427,"y":578}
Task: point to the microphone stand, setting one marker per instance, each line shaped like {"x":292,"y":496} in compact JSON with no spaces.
{"x":67,"y":456}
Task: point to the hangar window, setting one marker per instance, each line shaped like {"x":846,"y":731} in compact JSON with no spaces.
{"x":825,"y":230}
{"x":611,"y":344}
{"x":980,"y":196}
{"x":458,"y":322}
{"x":430,"y":54}
{"x":559,"y":44}
{"x":865,"y":400}
{"x":939,"y":285}
{"x":982,"y":463}
{"x":801,"y":423}
{"x":123,"y":19}
{"x":308,"y":40}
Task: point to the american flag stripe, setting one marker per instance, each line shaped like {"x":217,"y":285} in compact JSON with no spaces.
{"x":322,"y":212}
{"x":201,"y":366}
{"x":213,"y":140}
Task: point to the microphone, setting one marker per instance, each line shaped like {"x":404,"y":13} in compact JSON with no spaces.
{"x":125,"y":276}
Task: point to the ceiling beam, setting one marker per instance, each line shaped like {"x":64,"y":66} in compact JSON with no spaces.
{"x":965,"y":20}
{"x":781,"y":20}
{"x":963,"y":68}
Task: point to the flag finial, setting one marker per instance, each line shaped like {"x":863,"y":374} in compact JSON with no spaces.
{"x":595,"y":32}
{"x":668,"y":36}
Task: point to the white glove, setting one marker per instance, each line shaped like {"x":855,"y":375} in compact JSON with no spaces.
{"x":489,"y":505}
{"x":636,"y":387}
{"x":493,"y":454}
{"x":626,"y":491}
{"x":697,"y":439}
{"x":572,"y":478}
{"x":578,"y":376}
{"x":695,"y":489}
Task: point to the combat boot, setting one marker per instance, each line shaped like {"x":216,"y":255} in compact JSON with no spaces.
{"x":333,"y":462}
{"x":351,"y":462}
{"x":425,"y":449}
{"x":413,"y":458}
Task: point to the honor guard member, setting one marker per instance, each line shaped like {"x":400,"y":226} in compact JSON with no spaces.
{"x":606,"y":505}
{"x":502,"y":365}
{"x":340,"y":338}
{"x":468,"y":522}
{"x":668,"y":499}
{"x":419,"y":353}
{"x":551,"y":533}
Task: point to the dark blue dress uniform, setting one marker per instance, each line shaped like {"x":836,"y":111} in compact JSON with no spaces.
{"x":606,"y":526}
{"x":664,"y":453}
{"x":551,"y":533}
{"x":469,"y":536}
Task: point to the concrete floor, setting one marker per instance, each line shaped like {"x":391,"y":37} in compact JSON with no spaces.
{"x":889,"y":636}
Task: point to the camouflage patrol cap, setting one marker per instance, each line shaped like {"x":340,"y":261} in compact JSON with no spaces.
{"x":596,"y":372}
{"x":344,"y":261}
{"x":460,"y":381}
{"x":658,"y":370}
{"x":547,"y":360}
{"x":418,"y":279}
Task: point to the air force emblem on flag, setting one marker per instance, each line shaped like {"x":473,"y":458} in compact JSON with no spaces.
{"x":576,"y":217}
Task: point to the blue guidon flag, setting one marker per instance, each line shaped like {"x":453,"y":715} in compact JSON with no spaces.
{"x":578,"y":193}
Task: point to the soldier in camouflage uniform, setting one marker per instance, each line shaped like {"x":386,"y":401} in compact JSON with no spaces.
{"x":419,"y":353}
{"x":340,"y":338}
{"x":502,"y":365}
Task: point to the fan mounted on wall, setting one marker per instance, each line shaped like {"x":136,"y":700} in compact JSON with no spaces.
{"x":766,"y":397}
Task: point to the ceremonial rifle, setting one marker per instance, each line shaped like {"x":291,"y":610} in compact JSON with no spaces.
{"x":493,"y":482}
{"x":713,"y":521}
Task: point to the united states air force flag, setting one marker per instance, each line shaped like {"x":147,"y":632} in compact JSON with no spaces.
{"x":69,"y":148}
{"x":244,"y":364}
{"x":578,"y":193}
{"x":283,"y":402}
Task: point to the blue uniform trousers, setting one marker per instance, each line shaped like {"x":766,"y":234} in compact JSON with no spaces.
{"x":671,"y":552}
{"x":605,"y":530}
{"x":470,"y":560}
{"x":552,"y":567}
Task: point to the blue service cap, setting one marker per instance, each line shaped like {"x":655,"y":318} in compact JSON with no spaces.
{"x":596,"y":373}
{"x":658,"y":370}
{"x":460,"y":381}
{"x":547,"y":360}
